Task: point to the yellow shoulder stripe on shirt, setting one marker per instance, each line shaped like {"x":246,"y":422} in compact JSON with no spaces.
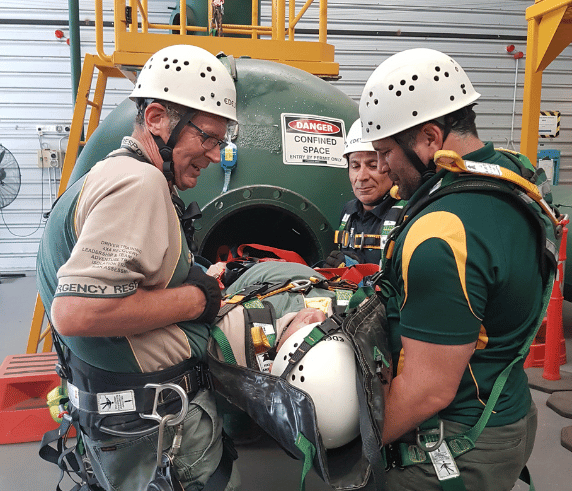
{"x":437,"y":225}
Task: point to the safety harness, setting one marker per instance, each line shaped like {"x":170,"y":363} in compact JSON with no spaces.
{"x":345,"y":237}
{"x":528,"y":191}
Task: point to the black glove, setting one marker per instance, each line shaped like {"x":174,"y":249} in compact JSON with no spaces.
{"x":335,"y":259}
{"x":338,"y":259}
{"x":210,"y":288}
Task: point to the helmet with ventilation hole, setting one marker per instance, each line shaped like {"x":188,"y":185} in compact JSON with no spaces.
{"x":327,"y":373}
{"x":410,"y":88}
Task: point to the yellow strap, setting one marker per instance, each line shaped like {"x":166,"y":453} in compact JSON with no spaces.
{"x":259,"y":339}
{"x":453,"y":162}
{"x":235,"y":299}
{"x":274,"y":292}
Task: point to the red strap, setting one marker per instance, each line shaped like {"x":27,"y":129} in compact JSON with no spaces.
{"x":353,"y":273}
{"x":289,"y":256}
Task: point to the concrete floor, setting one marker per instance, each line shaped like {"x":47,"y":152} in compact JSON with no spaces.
{"x":263,"y":465}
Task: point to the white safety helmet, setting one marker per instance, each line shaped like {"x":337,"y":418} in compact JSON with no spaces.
{"x":410,"y":88}
{"x":189,"y":76}
{"x":353,"y":141}
{"x":327,"y":373}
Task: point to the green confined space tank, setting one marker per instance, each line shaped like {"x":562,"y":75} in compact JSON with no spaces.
{"x":290,"y":179}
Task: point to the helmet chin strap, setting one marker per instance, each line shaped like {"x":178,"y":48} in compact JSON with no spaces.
{"x":426,"y":171}
{"x":166,"y":149}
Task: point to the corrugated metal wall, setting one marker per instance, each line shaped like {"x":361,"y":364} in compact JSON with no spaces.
{"x":35,"y":81}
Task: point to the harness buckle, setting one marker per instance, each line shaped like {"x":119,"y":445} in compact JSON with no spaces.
{"x":204,"y":376}
{"x":392,"y":456}
{"x":62,"y":371}
{"x":440,"y":431}
{"x":175,"y":420}
{"x":361,"y":240}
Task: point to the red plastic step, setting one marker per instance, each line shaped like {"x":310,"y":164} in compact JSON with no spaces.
{"x":25,"y":381}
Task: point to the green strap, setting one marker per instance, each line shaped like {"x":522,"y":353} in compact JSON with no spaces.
{"x":361,"y":294}
{"x":525,"y":477}
{"x":455,"y":484}
{"x":309,"y":451}
{"x":224,"y":345}
{"x":476,"y":430}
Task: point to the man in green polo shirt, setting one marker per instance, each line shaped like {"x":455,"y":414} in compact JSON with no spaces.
{"x":467,"y":272}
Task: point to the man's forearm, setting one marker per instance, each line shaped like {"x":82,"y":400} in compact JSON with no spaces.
{"x":428,"y":383}
{"x":407,"y":408}
{"x":140,"y":312}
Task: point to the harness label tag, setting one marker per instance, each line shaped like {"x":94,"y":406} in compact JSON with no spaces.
{"x":73,"y":394}
{"x":264,"y":362}
{"x":268,"y":329}
{"x":444,"y":463}
{"x":343,"y":297}
{"x":483,"y":168}
{"x":115,"y":402}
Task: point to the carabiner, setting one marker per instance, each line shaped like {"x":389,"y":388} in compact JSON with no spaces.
{"x":434,"y":431}
{"x":184,"y":401}
{"x":300,"y":285}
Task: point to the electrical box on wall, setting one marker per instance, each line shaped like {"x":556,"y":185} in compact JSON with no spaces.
{"x":50,"y":158}
{"x":549,"y":160}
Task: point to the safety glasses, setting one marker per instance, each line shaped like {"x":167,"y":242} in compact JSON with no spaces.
{"x":208,"y":141}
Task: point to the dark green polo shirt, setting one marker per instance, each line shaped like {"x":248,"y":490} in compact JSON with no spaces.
{"x":467,"y":269}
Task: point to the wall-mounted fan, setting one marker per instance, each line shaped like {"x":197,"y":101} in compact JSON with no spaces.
{"x":9,"y":177}
{"x":9,"y":187}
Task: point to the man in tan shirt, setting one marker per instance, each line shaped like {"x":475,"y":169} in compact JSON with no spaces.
{"x":116,"y":275}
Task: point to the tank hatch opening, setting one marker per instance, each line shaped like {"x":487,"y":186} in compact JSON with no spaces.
{"x":269,"y":226}
{"x":264,"y":215}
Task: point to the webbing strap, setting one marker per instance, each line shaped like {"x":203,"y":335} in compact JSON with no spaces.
{"x":525,"y":477}
{"x":68,"y":459}
{"x":370,"y":446}
{"x":224,"y":345}
{"x":476,"y":430}
{"x":363,"y":293}
{"x":358,"y":241}
{"x":453,"y":162}
{"x":331,"y":324}
{"x":248,"y":293}
{"x":455,"y":484}
{"x":309,"y":451}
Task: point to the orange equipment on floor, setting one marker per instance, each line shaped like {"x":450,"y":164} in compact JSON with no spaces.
{"x":25,"y":381}
{"x":549,"y":348}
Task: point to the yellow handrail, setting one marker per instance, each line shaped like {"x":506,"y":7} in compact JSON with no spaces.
{"x":292,"y":22}
{"x":99,"y":31}
{"x":140,"y":22}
